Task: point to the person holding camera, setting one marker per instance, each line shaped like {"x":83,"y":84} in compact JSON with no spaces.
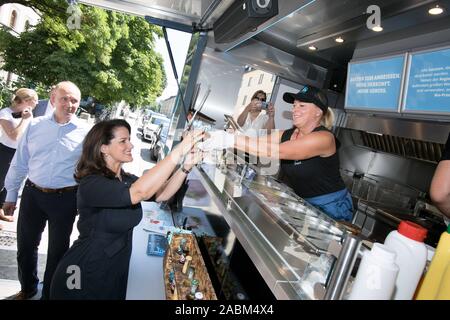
{"x":13,"y":122}
{"x":308,"y":152}
{"x":253,"y":119}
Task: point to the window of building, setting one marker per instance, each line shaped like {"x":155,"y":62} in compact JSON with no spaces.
{"x":249,"y":82}
{"x":13,"y":20}
{"x":245,"y":100}
{"x":273,"y":78}
{"x":27,"y":25}
{"x":261,"y":77}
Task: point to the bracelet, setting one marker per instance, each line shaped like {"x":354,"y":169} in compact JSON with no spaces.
{"x":185,"y":171}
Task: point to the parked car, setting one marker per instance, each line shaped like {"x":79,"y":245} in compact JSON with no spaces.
{"x":155,"y":129}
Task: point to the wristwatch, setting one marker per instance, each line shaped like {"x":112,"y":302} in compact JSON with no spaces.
{"x":185,"y":171}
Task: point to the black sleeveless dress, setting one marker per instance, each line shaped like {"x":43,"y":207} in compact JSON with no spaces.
{"x":96,"y":266}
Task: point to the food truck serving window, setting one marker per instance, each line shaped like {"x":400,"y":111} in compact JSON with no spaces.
{"x":375,"y":85}
{"x":428,"y":86}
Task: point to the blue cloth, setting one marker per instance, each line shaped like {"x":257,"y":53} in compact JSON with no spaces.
{"x":337,"y":205}
{"x":47,"y":152}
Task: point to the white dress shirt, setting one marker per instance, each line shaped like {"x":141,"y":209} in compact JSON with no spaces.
{"x":6,"y":114}
{"x":48,"y":153}
{"x":253,"y":128}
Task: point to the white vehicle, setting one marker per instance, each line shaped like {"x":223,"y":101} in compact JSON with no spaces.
{"x":155,"y":129}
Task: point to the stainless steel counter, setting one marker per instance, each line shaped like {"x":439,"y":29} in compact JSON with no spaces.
{"x":287,"y":239}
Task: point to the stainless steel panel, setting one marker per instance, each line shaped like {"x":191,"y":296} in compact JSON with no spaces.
{"x":410,"y":172}
{"x":414,"y":129}
{"x":270,"y":59}
{"x":224,"y":78}
{"x":285,"y":8}
{"x":283,"y":235}
{"x":223,"y":71}
{"x":185,"y":12}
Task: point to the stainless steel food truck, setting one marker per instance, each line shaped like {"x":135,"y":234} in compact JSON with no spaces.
{"x":385,"y":66}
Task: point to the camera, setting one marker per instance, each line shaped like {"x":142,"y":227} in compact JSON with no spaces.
{"x":17,"y":114}
{"x":264,"y":105}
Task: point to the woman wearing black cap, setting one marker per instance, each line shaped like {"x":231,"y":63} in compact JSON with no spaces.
{"x":308,"y":153}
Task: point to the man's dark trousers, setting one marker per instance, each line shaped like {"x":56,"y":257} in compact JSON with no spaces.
{"x":36,"y":208}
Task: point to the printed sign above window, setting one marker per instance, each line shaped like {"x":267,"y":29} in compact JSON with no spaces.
{"x":428,"y":82}
{"x":375,"y":85}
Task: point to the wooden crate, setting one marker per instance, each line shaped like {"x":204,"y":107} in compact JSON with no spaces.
{"x":182,"y":283}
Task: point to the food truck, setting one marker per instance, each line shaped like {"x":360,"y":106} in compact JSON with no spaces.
{"x":385,"y":66}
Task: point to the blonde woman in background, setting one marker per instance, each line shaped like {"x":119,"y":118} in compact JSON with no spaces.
{"x":13,"y":122}
{"x":308,"y":153}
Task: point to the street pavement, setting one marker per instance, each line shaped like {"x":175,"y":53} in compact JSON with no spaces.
{"x":9,"y":283}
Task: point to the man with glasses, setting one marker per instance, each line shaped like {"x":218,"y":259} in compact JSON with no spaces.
{"x":253,"y":119}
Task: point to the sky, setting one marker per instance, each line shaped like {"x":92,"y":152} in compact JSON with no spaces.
{"x":179,"y":43}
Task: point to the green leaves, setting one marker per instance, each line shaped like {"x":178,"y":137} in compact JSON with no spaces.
{"x":111,"y":57}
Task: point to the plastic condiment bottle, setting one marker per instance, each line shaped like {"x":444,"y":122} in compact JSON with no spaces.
{"x":407,"y":243}
{"x":436,"y":284}
{"x":376,"y":275}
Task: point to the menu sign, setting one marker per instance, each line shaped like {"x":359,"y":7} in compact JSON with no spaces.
{"x":428,"y":86}
{"x":375,"y":85}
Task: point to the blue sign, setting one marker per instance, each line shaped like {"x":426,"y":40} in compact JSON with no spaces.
{"x":428,"y":89}
{"x":375,"y":85}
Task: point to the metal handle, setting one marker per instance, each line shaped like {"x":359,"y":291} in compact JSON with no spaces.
{"x":343,"y":267}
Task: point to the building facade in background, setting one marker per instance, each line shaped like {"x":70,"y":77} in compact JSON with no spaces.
{"x":253,"y":80}
{"x":17,"y":18}
{"x":167,"y":106}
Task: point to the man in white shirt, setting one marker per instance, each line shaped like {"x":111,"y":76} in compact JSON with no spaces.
{"x":253,"y":118}
{"x":46,"y":157}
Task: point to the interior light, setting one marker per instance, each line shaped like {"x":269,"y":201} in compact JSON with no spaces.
{"x":339,"y":40}
{"x":436,"y":10}
{"x":312,"y":48}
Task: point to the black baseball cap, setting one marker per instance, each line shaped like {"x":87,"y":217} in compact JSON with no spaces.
{"x":308,"y":94}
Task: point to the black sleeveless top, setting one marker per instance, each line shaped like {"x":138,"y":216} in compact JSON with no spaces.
{"x":314,"y":176}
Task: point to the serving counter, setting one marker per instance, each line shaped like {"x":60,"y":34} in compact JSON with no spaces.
{"x":300,"y":252}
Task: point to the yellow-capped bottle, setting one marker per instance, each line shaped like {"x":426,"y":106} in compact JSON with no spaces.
{"x":436,"y":282}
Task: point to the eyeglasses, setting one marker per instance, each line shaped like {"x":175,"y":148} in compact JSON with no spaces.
{"x":260,"y":99}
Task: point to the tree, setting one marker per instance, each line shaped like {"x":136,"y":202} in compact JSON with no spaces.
{"x":5,"y":95}
{"x":111,"y":57}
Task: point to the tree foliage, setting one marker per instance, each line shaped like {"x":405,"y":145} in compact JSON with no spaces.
{"x":5,"y":95}
{"x":111,"y":57}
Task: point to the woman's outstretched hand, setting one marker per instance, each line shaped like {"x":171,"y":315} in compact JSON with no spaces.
{"x":192,"y":158}
{"x":217,"y":140}
{"x":191,"y":138}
